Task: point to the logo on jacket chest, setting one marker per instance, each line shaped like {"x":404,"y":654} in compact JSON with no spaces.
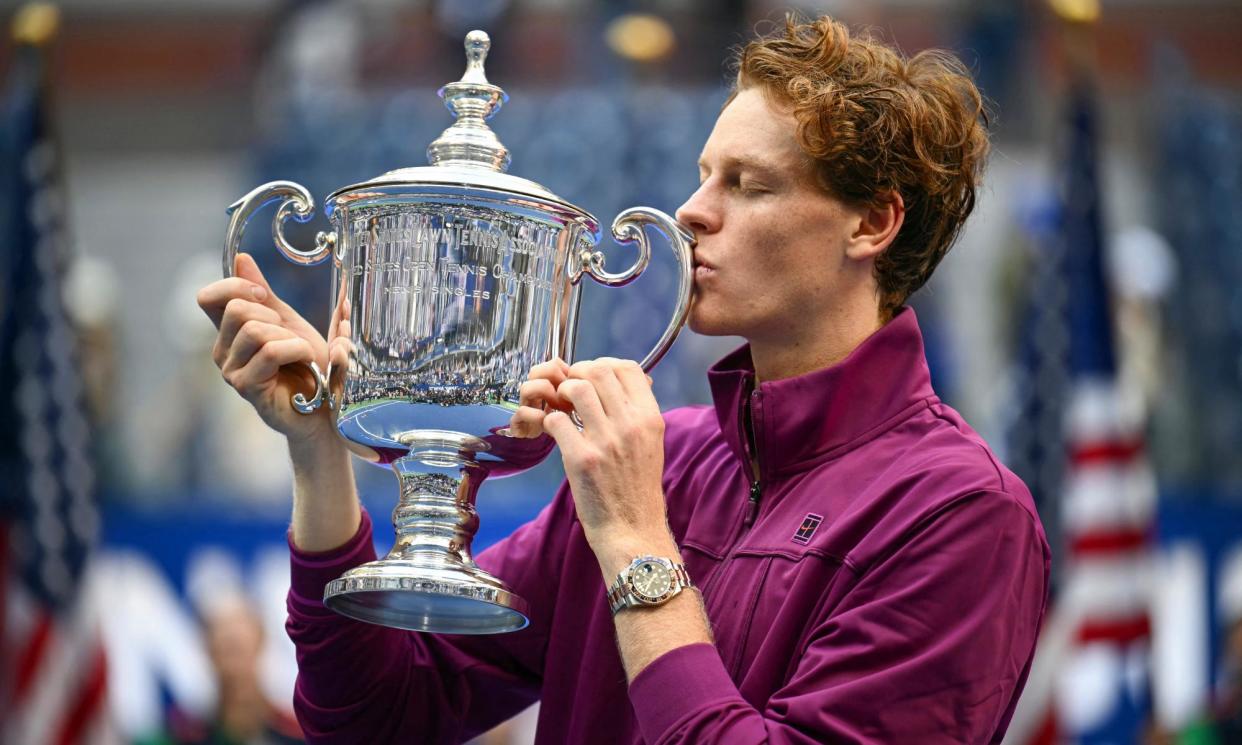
{"x":809,"y":525}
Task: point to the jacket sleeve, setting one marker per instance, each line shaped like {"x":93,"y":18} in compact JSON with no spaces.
{"x":360,"y":682}
{"x":931,"y":645}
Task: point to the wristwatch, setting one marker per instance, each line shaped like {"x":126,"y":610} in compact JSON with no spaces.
{"x":648,"y":580}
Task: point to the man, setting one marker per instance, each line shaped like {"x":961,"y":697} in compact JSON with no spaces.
{"x":863,"y":568}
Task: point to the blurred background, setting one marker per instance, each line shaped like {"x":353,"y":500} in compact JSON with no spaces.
{"x":1088,"y":324}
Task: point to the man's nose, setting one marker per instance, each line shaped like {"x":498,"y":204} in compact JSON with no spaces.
{"x":696,"y":213}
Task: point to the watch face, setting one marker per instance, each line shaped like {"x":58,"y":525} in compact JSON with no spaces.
{"x":651,"y":580}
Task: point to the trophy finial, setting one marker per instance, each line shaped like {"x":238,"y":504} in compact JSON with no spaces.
{"x":473,"y":100}
{"x":477,"y":45}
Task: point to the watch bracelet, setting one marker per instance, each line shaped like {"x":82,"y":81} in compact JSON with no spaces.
{"x":618,"y":599}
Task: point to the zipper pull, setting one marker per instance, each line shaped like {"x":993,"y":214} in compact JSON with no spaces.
{"x":752,"y":505}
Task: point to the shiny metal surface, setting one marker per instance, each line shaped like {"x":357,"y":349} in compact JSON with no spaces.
{"x":450,"y":282}
{"x":296,"y":202}
{"x":444,"y":306}
{"x":473,"y":100}
{"x":630,"y":226}
{"x":429,"y":582}
{"x":319,"y":397}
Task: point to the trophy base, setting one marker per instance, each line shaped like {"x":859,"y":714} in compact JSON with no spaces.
{"x":444,"y":599}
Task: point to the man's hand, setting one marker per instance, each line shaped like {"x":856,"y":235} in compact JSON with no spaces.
{"x":615,"y":462}
{"x":260,"y":338}
{"x":615,"y":466}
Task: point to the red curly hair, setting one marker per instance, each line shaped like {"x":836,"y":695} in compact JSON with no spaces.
{"x":875,"y":122}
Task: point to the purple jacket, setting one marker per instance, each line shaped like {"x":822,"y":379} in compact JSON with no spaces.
{"x":883,"y":583}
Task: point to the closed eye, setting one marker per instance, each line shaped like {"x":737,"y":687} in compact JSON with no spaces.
{"x":752,"y":187}
{"x":739,"y":181}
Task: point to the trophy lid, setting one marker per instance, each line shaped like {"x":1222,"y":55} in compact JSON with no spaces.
{"x":467,"y":154}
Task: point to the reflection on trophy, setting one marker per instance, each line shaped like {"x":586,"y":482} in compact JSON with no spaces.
{"x":450,"y":282}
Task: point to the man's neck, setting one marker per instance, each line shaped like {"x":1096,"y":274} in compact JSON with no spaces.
{"x":819,"y":346}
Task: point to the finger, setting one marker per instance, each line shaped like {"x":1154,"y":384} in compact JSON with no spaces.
{"x":636,"y":383}
{"x":527,"y":422}
{"x":338,"y":352}
{"x":340,"y":311}
{"x":247,"y":268}
{"x":608,"y":389}
{"x":265,"y":363}
{"x":215,"y":297}
{"x":631,"y":375}
{"x":238,"y":313}
{"x":554,"y":370}
{"x":581,"y":393}
{"x":538,"y":393}
{"x":344,"y":330}
{"x":562,"y":429}
{"x":250,"y":339}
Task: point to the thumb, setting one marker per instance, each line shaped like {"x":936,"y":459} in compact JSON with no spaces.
{"x":562,"y":429}
{"x":247,"y":268}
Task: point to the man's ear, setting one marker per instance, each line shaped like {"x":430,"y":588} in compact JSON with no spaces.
{"x":878,"y":226}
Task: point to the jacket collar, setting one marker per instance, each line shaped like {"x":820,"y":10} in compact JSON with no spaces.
{"x":823,"y":413}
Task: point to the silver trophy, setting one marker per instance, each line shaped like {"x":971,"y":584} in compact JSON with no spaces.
{"x":450,"y":282}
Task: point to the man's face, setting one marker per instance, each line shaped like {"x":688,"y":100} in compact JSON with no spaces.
{"x":770,"y":259}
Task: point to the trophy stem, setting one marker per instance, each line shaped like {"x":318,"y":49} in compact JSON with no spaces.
{"x":429,"y":581}
{"x":435,"y":519}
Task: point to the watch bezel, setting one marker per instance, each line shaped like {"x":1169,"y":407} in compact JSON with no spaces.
{"x":643,"y":597}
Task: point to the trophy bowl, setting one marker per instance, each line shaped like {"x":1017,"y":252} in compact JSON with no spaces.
{"x":451,"y":281}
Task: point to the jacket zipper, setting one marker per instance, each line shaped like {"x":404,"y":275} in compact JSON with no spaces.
{"x":754,"y":475}
{"x":752,"y":507}
{"x":756,"y":487}
{"x":755,"y":496}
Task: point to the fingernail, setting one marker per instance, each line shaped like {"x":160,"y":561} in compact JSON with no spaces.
{"x":258,"y":293}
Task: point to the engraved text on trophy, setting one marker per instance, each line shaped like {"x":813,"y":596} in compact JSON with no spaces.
{"x":448,"y":297}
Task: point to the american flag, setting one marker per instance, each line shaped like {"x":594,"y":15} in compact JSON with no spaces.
{"x":52,"y":665}
{"x":1089,"y":682}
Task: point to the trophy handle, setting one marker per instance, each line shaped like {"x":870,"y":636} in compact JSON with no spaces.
{"x":296,"y":202}
{"x":629,"y":227}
